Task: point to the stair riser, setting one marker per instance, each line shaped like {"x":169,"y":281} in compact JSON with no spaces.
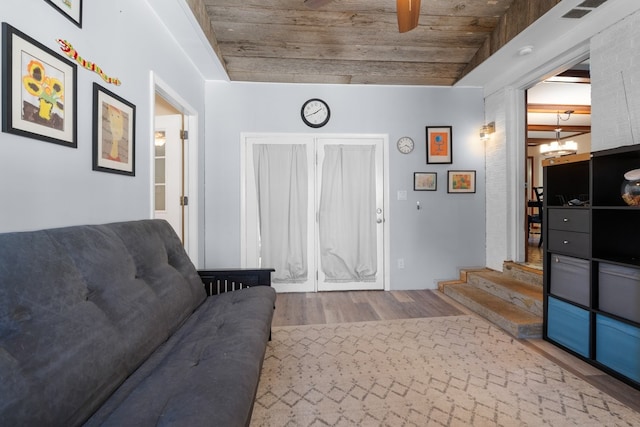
{"x":523,"y":274}
{"x":518,"y":331}
{"x":525,"y":302}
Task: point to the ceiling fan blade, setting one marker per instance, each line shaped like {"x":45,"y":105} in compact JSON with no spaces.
{"x":316,"y":4}
{"x":408,"y":14}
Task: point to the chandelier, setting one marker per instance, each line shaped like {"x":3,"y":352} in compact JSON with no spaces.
{"x":559,"y":148}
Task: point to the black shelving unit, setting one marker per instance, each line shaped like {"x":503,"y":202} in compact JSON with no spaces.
{"x":592,"y":262}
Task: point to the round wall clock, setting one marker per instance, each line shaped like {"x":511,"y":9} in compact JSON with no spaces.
{"x":405,"y":145}
{"x":315,"y":113}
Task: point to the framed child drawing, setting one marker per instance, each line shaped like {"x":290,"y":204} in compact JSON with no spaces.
{"x":114,"y":123}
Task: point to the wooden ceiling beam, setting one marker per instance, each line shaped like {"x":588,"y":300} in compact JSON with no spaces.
{"x":555,"y":108}
{"x":552,"y":128}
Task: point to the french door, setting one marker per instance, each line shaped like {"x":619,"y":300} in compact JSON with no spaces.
{"x":314,"y":210}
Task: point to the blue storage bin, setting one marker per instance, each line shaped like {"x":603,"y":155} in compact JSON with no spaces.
{"x":618,"y":346}
{"x":568,"y":325}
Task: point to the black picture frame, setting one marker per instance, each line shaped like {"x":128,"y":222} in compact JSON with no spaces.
{"x":439,"y":144}
{"x":461,"y":181}
{"x":114,"y":131}
{"x":39,"y":90}
{"x":425,"y":181}
{"x":71,"y":9}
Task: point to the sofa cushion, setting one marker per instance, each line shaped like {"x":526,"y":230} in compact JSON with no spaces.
{"x":204,"y":375}
{"x":81,"y":308}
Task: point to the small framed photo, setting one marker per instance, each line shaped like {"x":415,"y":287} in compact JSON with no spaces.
{"x":439,"y":144}
{"x":38,"y":90}
{"x":425,"y":181}
{"x":72,"y":9}
{"x":114,"y":124}
{"x":461,"y":181}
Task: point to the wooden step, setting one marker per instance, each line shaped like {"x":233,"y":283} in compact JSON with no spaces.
{"x":523,"y":273}
{"x":523,"y":295}
{"x":516,"y":321}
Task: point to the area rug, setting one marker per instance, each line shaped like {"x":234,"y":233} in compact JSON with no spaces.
{"x":444,"y":371}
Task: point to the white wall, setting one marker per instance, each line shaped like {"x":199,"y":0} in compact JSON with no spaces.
{"x":609,"y":36}
{"x":47,"y":185}
{"x":615,"y":74}
{"x":447,"y":233}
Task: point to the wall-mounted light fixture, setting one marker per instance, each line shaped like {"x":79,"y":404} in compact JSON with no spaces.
{"x":487,"y":130}
{"x":559,"y":148}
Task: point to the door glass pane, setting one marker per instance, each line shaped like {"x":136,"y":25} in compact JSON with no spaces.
{"x":161,"y":204}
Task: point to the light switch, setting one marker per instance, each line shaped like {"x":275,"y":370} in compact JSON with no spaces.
{"x":402,"y":194}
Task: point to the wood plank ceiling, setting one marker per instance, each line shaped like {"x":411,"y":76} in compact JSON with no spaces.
{"x":357,"y":41}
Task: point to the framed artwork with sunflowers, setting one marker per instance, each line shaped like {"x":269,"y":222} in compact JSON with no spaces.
{"x":38,"y":90}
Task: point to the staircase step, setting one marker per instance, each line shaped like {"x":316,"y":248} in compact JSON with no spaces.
{"x":523,"y":295}
{"x":516,"y":321}
{"x":523,"y":273}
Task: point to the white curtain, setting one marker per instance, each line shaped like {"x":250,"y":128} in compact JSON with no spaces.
{"x":348,"y":213}
{"x":281,"y":183}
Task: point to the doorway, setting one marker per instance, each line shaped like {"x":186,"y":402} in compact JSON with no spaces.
{"x":174,"y":172}
{"x":170,"y":186}
{"x":314,"y":210}
{"x":558,"y":110}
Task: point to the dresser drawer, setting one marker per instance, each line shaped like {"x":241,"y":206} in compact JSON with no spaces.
{"x":569,"y":219}
{"x":569,"y":243}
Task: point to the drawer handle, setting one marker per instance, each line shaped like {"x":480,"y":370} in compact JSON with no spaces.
{"x":566,"y":242}
{"x":565,"y":220}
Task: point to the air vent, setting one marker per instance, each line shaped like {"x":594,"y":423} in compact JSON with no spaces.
{"x":576,"y":13}
{"x":583,"y":8}
{"x":591,"y":3}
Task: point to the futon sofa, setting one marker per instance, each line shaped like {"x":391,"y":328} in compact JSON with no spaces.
{"x":111,"y":325}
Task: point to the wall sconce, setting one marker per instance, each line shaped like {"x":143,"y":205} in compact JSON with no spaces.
{"x":487,"y":130}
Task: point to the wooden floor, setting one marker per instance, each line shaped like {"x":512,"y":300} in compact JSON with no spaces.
{"x":534,"y":252}
{"x":360,"y":306}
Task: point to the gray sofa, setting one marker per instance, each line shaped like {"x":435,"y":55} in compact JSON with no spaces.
{"x":111,"y":325}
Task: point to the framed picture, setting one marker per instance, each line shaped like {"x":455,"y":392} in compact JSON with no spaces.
{"x":439,"y":144}
{"x":425,"y":181}
{"x":461,"y":181}
{"x":38,"y":90}
{"x":72,"y":9}
{"x":114,"y":124}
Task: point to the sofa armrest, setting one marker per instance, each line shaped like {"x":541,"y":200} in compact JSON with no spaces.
{"x":232,"y":279}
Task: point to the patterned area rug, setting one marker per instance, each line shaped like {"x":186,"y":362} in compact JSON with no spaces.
{"x":444,"y":371}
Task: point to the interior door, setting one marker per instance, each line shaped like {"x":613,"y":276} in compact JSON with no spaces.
{"x":169,"y":173}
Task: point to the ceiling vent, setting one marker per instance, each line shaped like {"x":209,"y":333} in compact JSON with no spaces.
{"x":583,"y":8}
{"x":591,"y":3}
{"x":576,"y":13}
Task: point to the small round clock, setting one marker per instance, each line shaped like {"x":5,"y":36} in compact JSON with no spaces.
{"x":315,"y":113}
{"x":405,"y":145}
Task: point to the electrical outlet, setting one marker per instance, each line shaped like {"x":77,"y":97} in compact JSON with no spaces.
{"x":400,"y":262}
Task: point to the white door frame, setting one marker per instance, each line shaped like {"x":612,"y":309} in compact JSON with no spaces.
{"x":158,"y":86}
{"x":243,"y":172}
